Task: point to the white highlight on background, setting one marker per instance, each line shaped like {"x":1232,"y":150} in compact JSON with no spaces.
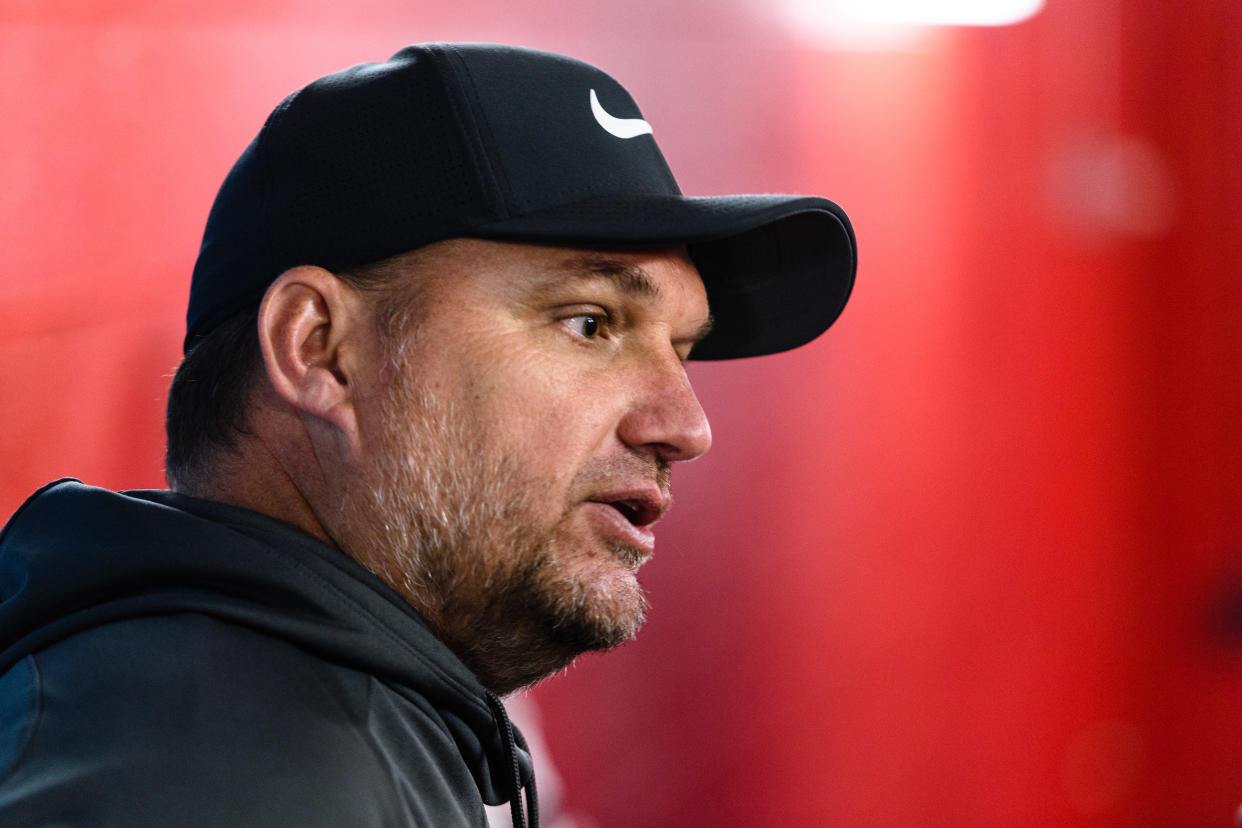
{"x":876,"y":23}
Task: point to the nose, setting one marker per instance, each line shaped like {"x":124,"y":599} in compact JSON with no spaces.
{"x":666,"y":417}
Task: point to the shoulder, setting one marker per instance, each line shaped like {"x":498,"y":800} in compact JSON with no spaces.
{"x":187,"y":720}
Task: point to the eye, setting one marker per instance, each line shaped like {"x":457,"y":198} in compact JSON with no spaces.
{"x":586,"y":325}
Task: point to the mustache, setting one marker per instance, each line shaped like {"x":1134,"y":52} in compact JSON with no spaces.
{"x":625,"y":470}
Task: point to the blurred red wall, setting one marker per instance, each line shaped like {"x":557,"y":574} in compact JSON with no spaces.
{"x":973,"y":558}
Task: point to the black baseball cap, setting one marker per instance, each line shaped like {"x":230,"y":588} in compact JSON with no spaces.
{"x":509,"y":144}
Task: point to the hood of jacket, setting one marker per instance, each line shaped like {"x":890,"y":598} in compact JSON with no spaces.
{"x":75,"y":557}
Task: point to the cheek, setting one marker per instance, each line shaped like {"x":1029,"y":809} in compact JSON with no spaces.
{"x":552,"y":418}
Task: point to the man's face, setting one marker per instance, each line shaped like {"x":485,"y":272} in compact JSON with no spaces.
{"x":517,"y":445}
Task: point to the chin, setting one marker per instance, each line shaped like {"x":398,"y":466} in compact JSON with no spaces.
{"x":549,"y":611}
{"x":597,"y":607}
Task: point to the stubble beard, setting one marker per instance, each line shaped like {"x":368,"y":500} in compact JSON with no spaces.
{"x":449,"y":521}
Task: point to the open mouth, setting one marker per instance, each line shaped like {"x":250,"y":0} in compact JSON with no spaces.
{"x":625,"y":518}
{"x":632,"y":511}
{"x":637,"y":511}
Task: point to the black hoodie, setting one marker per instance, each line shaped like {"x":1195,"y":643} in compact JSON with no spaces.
{"x":170,"y":661}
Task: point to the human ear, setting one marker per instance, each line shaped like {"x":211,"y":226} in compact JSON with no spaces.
{"x":307,"y":324}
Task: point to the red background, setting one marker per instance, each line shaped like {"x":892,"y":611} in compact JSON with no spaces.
{"x":973,"y":558}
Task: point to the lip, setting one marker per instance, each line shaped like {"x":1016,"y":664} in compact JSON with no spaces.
{"x":615,"y":524}
{"x":639,"y":505}
{"x":628,"y":513}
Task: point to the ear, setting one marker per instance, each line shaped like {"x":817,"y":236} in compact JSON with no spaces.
{"x":309,"y":328}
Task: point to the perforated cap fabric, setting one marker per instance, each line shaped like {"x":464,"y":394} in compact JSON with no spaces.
{"x":510,"y":144}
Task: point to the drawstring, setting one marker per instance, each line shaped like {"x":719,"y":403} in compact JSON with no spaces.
{"x":532,"y":798}
{"x":512,"y":741}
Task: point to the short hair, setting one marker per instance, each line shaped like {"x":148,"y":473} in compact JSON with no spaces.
{"x":209,"y":398}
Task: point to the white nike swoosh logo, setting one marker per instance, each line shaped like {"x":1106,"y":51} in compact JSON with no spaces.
{"x":620,"y":127}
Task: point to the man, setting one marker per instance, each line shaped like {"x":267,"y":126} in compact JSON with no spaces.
{"x":433,"y":388}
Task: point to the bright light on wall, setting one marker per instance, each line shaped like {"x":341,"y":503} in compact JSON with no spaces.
{"x":918,"y":12}
{"x":876,"y":23}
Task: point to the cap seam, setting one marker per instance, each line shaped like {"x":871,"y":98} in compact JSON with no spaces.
{"x":473,"y":125}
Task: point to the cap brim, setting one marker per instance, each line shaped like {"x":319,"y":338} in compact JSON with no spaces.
{"x":778,"y":269}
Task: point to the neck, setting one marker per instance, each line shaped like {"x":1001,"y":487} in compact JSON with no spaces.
{"x":252,"y":477}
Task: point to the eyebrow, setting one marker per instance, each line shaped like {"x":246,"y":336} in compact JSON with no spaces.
{"x":630,"y":279}
{"x":703,"y":330}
